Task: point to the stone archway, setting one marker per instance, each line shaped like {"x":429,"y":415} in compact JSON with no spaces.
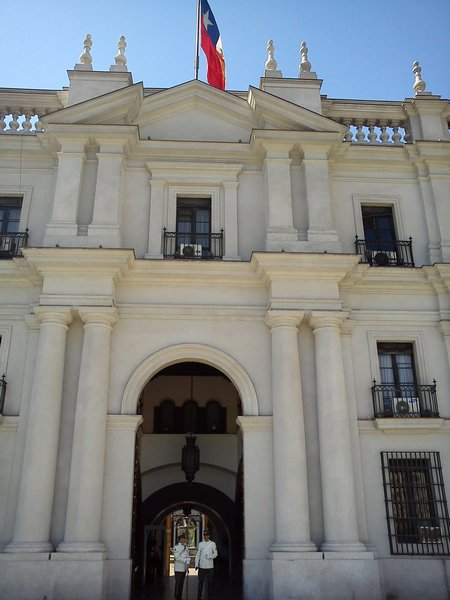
{"x":190,"y":352}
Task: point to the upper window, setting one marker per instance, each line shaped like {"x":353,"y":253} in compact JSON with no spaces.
{"x":10,"y":214}
{"x":380,"y":246}
{"x":378,"y":223}
{"x":416,"y":505}
{"x":400,"y":394}
{"x":193,"y":226}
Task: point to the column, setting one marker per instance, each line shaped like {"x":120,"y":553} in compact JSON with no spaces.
{"x":289,"y":446}
{"x":106,"y":218}
{"x":67,"y":191}
{"x":336,"y":461}
{"x":157,"y":187}
{"x":280,"y":217}
{"x":318,"y":197}
{"x":84,"y":507}
{"x":35,"y":500}
{"x":231,"y":220}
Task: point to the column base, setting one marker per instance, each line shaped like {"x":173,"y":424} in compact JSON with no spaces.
{"x":297,"y":546}
{"x":81,"y":547}
{"x":343,"y":547}
{"x":326,"y":576}
{"x":28,"y":547}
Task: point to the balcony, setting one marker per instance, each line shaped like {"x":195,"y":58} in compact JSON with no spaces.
{"x":193,"y":246}
{"x":404,"y":400}
{"x":389,"y":253}
{"x":3,"y":385}
{"x":11,"y":243}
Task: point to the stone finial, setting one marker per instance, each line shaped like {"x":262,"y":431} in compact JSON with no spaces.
{"x":85,"y":63}
{"x":304,"y":68}
{"x":120,"y":58}
{"x":419,"y":84}
{"x":271,"y":63}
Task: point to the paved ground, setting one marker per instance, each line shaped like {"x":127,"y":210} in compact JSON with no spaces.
{"x":164,"y":587}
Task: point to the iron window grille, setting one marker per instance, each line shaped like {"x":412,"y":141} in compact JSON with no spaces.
{"x":416,"y":505}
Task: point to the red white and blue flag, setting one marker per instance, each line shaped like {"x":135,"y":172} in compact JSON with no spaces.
{"x":212,"y":47}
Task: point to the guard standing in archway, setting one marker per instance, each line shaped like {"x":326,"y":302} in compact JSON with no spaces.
{"x":204,"y":562}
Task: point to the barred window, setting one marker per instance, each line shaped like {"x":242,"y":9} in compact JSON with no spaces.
{"x":416,"y":506}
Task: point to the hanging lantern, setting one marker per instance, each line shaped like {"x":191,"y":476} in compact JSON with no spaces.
{"x":190,"y":457}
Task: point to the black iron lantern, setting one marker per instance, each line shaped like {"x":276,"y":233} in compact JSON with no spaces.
{"x":190,"y":457}
{"x":2,"y":392}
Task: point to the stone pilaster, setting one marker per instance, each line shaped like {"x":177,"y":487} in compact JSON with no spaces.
{"x":318,"y":196}
{"x":231,"y":220}
{"x":289,"y":447}
{"x":157,"y":187}
{"x":336,"y":462}
{"x":105,"y":224}
{"x":84,"y":508}
{"x":280,"y":226}
{"x":67,"y":192}
{"x":35,"y":500}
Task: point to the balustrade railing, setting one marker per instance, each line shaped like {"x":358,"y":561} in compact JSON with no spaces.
{"x":385,"y":253}
{"x":370,"y":122}
{"x":20,"y":122}
{"x":207,"y":246}
{"x":404,"y":400}
{"x":11,"y":243}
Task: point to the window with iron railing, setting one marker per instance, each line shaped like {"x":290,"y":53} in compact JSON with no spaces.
{"x":380,"y":246}
{"x":11,"y":239}
{"x":399,"y":394}
{"x":416,"y":505}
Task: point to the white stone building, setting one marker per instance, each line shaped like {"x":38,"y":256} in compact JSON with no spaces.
{"x":185,"y":259}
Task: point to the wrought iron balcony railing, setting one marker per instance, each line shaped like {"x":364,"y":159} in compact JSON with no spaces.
{"x":11,"y":243}
{"x":206,"y":246}
{"x":380,"y":253}
{"x":404,"y":400}
{"x":3,"y":385}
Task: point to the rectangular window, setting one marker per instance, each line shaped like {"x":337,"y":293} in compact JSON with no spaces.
{"x":398,"y":379}
{"x":416,"y":505}
{"x":194,"y":227}
{"x":10,"y":214}
{"x":378,"y":223}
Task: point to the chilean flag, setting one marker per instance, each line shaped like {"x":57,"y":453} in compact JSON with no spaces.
{"x":212,"y":47}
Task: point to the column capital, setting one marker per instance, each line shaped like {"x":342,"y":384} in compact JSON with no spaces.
{"x":58,"y":316}
{"x":98,"y":315}
{"x":283,"y":318}
{"x":261,"y":424}
{"x":319,"y":320}
{"x":444,"y":327}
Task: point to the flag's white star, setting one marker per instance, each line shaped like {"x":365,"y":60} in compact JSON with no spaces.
{"x":206,"y":20}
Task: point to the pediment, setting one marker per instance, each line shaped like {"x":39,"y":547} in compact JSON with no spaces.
{"x":194,"y":111}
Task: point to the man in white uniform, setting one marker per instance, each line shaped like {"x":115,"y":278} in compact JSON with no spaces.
{"x":181,"y":564}
{"x":204,"y":562}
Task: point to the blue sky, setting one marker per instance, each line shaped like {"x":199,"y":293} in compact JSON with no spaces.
{"x":361,"y":49}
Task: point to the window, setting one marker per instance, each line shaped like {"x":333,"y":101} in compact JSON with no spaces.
{"x":378,"y":223}
{"x":10,"y":215}
{"x":398,"y":379}
{"x":10,"y":238}
{"x":194,"y":226}
{"x":416,"y":505}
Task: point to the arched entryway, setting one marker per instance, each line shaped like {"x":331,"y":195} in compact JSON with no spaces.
{"x":189,"y":396}
{"x":189,"y":503}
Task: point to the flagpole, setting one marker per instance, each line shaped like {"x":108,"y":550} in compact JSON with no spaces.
{"x":197,"y":42}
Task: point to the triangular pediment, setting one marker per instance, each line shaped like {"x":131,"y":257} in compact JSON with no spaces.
{"x":194,"y":111}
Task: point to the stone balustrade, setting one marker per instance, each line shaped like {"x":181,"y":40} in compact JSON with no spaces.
{"x":20,"y":121}
{"x":370,"y":122}
{"x":21,"y":110}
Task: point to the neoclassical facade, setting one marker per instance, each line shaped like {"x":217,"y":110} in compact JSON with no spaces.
{"x":268,"y":270}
